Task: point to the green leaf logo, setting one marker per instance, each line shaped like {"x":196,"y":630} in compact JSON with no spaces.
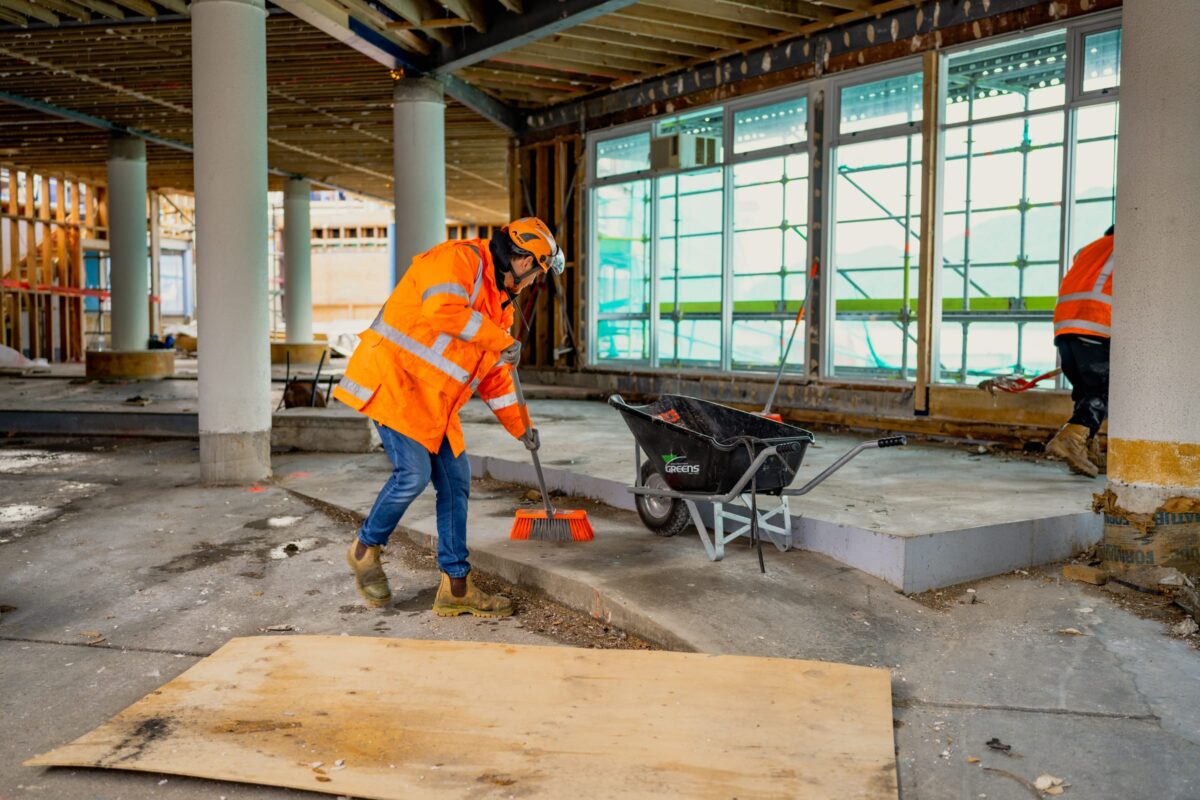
{"x":667,"y":459}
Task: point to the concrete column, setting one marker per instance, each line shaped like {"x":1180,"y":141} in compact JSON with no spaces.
{"x":127,"y":248}
{"x":229,"y":113}
{"x":419,"y":165}
{"x":1154,"y":430}
{"x":297,"y":260}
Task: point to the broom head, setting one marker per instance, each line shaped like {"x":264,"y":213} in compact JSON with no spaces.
{"x":566,"y":526}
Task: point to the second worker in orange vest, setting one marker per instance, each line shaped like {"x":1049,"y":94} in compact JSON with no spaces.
{"x":1082,"y":322}
{"x":441,"y":336}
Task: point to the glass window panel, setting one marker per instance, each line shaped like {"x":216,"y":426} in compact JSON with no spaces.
{"x":795,"y":249}
{"x":701,"y":181}
{"x":1095,"y":173}
{"x":758,"y":206}
{"x":1007,"y":78}
{"x":775,"y":125}
{"x":950,"y":352}
{"x":622,"y":248}
{"x":764,"y":171}
{"x":1038,"y":354}
{"x":621,"y":339}
{"x":1042,"y":228}
{"x":756,"y":252}
{"x":763,"y":291}
{"x":1043,"y":176}
{"x":1041,"y":280}
{"x":700,"y":255}
{"x":891,"y":101}
{"x":991,"y":348}
{"x":700,"y":213}
{"x":689,"y":340}
{"x":624,"y":155}
{"x":875,"y":252}
{"x":1102,"y":60}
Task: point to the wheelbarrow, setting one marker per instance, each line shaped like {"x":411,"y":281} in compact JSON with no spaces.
{"x":698,"y":451}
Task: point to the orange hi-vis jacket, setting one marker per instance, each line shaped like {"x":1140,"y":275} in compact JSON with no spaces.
{"x":1085,"y":296}
{"x":436,"y":341}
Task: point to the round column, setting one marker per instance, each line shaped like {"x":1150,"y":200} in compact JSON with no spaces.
{"x":1154,"y":430}
{"x":127,"y":247}
{"x":229,"y":113}
{"x":419,"y":167}
{"x":297,"y":260}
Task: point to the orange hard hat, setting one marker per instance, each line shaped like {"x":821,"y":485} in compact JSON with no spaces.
{"x":531,"y":237}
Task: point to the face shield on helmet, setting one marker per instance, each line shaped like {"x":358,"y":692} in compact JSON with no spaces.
{"x":531,"y":237}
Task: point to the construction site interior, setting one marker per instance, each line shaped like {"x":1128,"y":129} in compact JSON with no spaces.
{"x":817,"y":351}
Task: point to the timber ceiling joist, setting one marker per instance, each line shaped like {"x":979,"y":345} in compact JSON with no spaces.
{"x":329,"y":111}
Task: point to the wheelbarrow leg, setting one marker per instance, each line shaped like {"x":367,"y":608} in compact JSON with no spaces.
{"x":716,"y":551}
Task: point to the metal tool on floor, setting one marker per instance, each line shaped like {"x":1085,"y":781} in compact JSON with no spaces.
{"x":548,"y":525}
{"x":704,"y":452}
{"x":766,"y":412}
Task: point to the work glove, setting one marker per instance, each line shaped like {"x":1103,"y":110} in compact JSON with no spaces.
{"x":530,"y":439}
{"x":511,"y":354}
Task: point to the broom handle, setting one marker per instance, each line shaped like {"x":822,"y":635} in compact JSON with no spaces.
{"x":537,"y":464}
{"x":799,"y":318}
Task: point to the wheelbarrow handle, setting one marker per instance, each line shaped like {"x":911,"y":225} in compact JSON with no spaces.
{"x":887,"y":441}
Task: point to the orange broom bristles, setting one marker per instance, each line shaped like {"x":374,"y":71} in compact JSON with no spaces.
{"x":565,"y":527}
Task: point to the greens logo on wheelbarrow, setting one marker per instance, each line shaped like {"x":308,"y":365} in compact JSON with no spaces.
{"x":674,"y":465}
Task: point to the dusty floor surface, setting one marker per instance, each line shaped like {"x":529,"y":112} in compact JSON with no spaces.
{"x":123,"y":572}
{"x":118,"y":572}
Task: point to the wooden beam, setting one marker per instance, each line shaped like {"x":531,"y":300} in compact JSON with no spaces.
{"x":743,"y":12}
{"x":649,"y":41}
{"x":512,"y":31}
{"x":103,"y":7}
{"x":14,"y":18}
{"x":140,"y":7}
{"x":515,"y":6}
{"x":178,"y":6}
{"x":445,"y":22}
{"x":471,"y":11}
{"x":30,"y":10}
{"x":68,"y":8}
{"x":848,"y":5}
{"x":930,"y":263}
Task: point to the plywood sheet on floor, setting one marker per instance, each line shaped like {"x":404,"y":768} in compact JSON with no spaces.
{"x":389,"y":718}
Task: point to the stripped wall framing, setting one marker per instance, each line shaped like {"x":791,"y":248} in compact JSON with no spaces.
{"x":43,"y":226}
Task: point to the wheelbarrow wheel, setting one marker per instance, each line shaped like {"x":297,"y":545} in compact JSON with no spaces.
{"x":665,"y":516}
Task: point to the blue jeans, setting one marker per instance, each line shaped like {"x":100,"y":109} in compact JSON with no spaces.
{"x":412,"y":468}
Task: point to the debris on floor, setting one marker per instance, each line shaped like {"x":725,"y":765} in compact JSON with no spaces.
{"x":1085,"y":573}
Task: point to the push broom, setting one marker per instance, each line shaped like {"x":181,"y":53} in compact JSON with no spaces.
{"x":547,"y":525}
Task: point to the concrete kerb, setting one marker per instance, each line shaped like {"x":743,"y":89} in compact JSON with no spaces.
{"x":569,"y":591}
{"x":910,"y":563}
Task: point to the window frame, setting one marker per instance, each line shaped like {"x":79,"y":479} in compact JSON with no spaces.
{"x":833,"y":141}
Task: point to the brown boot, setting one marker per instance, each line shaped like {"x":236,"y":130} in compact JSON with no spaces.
{"x":472,"y":600}
{"x":369,"y":578}
{"x":1070,"y":444}
{"x":1098,"y":455}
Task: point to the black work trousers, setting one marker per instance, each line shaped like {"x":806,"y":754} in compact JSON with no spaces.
{"x":1085,"y":363}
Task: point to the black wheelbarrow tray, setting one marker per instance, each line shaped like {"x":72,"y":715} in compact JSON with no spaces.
{"x":703,"y":452}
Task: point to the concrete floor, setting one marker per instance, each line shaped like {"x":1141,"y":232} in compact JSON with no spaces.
{"x":120,"y":541}
{"x":918,"y":517}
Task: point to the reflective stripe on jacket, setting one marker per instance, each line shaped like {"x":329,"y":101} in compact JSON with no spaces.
{"x":1085,"y":296}
{"x":436,"y":340}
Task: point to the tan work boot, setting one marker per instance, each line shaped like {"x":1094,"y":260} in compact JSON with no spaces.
{"x":1097,"y":455}
{"x":472,"y":601}
{"x":1070,"y":444}
{"x":369,"y":578}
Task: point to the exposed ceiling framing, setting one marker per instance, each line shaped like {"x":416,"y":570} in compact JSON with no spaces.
{"x":329,"y":111}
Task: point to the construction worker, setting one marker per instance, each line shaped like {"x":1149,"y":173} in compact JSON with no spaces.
{"x":1082,"y":320}
{"x":442,"y":335}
